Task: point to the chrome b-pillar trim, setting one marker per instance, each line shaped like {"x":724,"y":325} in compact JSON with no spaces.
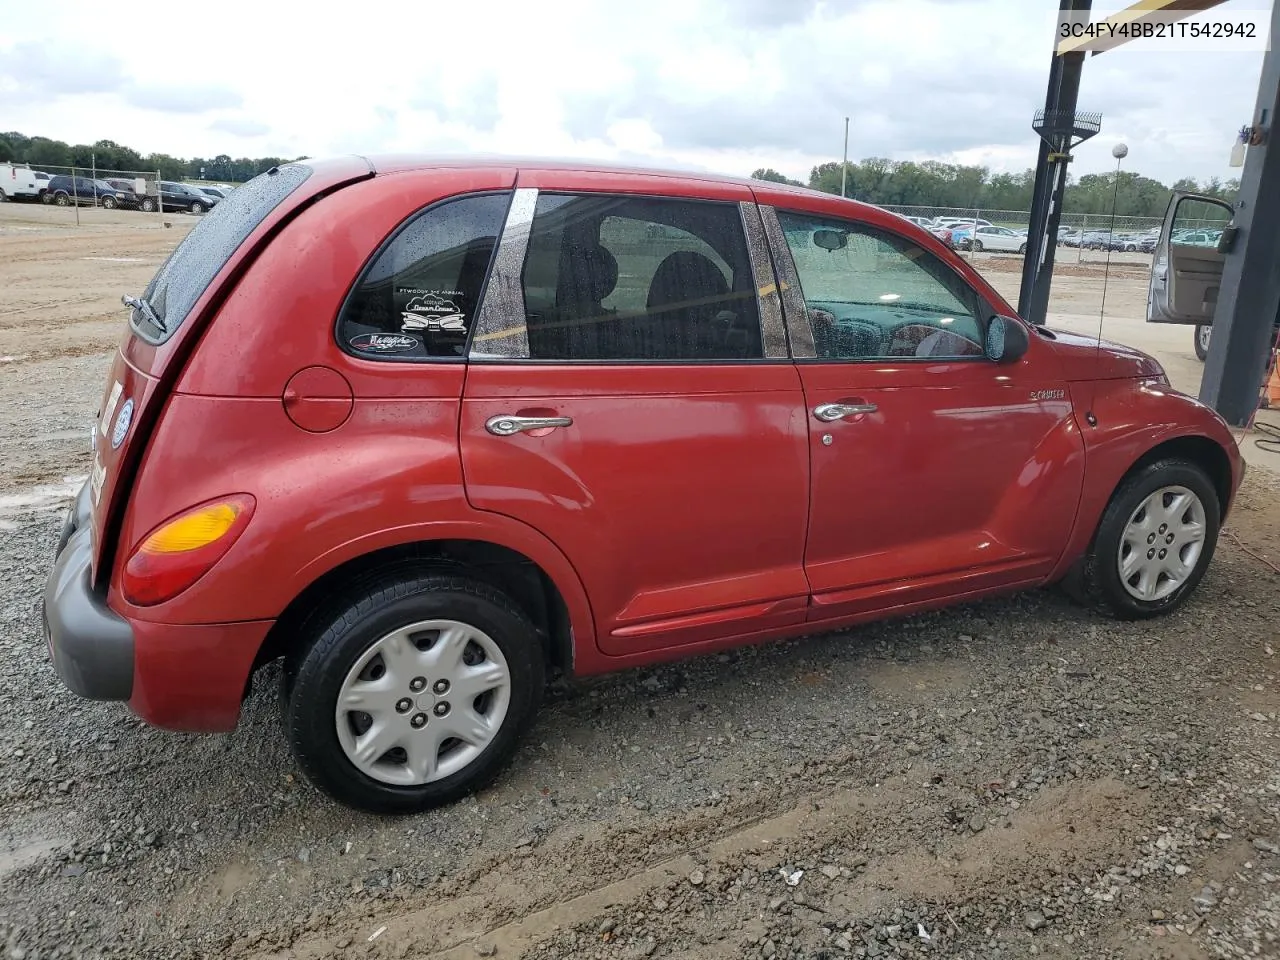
{"x":793,"y":309}
{"x":770,"y":306}
{"x":501,"y":332}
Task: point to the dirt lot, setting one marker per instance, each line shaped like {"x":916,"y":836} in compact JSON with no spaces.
{"x":1009,"y":779}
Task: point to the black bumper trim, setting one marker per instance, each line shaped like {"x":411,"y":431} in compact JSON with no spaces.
{"x":91,"y":645}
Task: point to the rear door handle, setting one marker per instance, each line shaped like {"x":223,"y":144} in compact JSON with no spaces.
{"x":507,"y":425}
{"x":828,"y":412}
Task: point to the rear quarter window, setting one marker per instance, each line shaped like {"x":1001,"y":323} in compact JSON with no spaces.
{"x":183,"y":277}
{"x":419,"y":296}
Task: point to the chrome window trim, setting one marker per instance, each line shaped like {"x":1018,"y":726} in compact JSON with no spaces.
{"x":795,"y":314}
{"x":768,"y":303}
{"x":501,"y":330}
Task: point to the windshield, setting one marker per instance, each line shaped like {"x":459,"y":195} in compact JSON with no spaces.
{"x":183,"y":277}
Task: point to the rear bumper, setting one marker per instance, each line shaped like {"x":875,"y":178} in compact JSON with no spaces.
{"x":189,"y":677}
{"x":91,"y":645}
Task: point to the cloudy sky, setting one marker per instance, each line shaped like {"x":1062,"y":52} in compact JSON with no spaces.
{"x":724,"y":85}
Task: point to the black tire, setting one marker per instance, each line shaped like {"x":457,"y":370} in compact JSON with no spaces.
{"x":62,"y":199}
{"x":977,"y":246}
{"x":148,"y":205}
{"x":197,"y":207}
{"x":1022,"y":249}
{"x":314,"y":673}
{"x":3,"y":197}
{"x":1099,"y":584}
{"x":109,"y":203}
{"x":1200,"y":339}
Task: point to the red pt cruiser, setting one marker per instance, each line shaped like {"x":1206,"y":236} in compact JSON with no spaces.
{"x":428,"y":429}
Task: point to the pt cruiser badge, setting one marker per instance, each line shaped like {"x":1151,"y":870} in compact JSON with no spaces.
{"x":1048,"y":394}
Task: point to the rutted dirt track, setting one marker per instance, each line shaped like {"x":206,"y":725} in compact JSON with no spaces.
{"x":1012,"y":778}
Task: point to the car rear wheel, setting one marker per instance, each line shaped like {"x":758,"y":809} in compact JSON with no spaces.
{"x":197,"y":207}
{"x":1203,"y":332}
{"x":977,"y":246}
{"x":108,"y":203}
{"x":414,"y":695}
{"x":1154,"y":543}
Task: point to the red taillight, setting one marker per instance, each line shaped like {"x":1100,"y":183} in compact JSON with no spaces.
{"x":180,"y":551}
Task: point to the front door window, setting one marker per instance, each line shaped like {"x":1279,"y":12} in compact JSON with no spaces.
{"x":872,"y":295}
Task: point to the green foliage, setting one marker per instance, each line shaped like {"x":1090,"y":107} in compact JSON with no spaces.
{"x":773,"y":176}
{"x":108,"y":155}
{"x":933,"y":184}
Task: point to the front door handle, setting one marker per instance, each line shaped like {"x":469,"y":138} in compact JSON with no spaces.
{"x":826,"y":412}
{"x":507,"y":425}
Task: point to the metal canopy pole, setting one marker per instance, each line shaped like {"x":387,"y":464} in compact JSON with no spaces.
{"x":1249,"y":297}
{"x":1057,"y":127}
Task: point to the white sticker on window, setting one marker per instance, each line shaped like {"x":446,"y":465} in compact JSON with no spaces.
{"x":432,"y":310}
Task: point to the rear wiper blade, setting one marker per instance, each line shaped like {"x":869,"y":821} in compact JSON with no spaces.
{"x":144,"y":306}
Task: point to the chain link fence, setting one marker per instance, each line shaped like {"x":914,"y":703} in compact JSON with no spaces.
{"x":92,"y":194}
{"x":1082,"y":237}
{"x":97,"y":195}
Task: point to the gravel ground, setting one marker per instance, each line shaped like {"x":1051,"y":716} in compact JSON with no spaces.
{"x":1010,"y":778}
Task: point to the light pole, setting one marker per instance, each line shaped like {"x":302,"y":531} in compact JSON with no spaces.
{"x":1119,"y":151}
{"x":844,"y":165}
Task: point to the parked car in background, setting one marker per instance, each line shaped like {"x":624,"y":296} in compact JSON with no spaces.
{"x":66,"y":190}
{"x":1000,"y":239}
{"x":135,"y":200}
{"x":1186,"y":269}
{"x":944,"y":234}
{"x":429,"y":500}
{"x":181,"y":196}
{"x":19,"y":182}
{"x":215,"y":192}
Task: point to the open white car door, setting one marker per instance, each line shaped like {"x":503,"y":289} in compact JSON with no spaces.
{"x":1186,"y":269}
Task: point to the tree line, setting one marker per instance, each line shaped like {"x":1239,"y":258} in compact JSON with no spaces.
{"x":108,"y":155}
{"x":874,"y":180}
{"x":933,"y":184}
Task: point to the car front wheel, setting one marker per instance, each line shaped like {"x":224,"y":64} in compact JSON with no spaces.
{"x":1022,"y":249}
{"x":62,"y":200}
{"x":148,"y":205}
{"x":414,"y":695}
{"x":1155,"y":541}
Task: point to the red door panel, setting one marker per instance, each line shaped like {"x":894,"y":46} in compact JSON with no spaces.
{"x":958,"y":480}
{"x":679,"y":492}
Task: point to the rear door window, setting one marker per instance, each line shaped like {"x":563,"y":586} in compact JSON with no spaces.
{"x":183,"y":277}
{"x":629,"y":278}
{"x":418,"y":298}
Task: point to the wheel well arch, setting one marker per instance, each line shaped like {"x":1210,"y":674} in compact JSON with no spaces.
{"x":1200,"y":450}
{"x":503,"y":568}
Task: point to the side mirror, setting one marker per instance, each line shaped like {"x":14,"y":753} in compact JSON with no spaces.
{"x":830,"y":239}
{"x":1007,"y":339}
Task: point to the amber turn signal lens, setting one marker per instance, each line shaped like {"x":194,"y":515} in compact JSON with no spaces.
{"x":182,"y":550}
{"x":193,"y":530}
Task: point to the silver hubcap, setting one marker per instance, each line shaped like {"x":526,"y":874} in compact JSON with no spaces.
{"x":423,"y":702}
{"x":1205,"y":333}
{"x":1162,"y":543}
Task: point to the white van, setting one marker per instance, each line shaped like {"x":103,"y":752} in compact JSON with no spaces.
{"x":19,"y":183}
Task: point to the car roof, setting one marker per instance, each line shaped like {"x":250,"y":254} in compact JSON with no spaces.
{"x":388,"y":163}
